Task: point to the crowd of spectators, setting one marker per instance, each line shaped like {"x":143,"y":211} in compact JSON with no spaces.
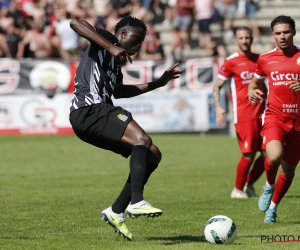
{"x":40,"y":28}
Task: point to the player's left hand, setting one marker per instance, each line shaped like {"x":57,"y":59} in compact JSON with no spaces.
{"x":294,"y":85}
{"x":171,"y":73}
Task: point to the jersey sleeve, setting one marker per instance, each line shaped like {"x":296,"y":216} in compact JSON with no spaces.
{"x":259,"y":73}
{"x":106,"y":34}
{"x":225,"y":71}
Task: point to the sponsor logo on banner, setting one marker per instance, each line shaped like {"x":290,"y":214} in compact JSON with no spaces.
{"x":51,"y":77}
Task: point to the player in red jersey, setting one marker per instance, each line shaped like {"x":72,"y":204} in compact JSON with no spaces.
{"x":281,"y":125}
{"x":239,"y":68}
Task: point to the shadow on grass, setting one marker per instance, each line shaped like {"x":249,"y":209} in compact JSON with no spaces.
{"x":292,"y":196}
{"x":179,"y":239}
{"x":248,"y":236}
{"x":16,"y":238}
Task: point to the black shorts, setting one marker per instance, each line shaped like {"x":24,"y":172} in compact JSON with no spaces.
{"x":102,"y":125}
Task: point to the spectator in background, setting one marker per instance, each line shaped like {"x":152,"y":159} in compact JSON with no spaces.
{"x":69,"y":5}
{"x":4,"y":3}
{"x":227,"y":10}
{"x":36,"y":42}
{"x":142,"y":9}
{"x":117,"y":9}
{"x":101,"y":9}
{"x":67,"y":39}
{"x":216,"y":48}
{"x":4,"y":49}
{"x":16,"y":14}
{"x":136,"y":9}
{"x":25,"y":6}
{"x":38,"y":13}
{"x":121,"y":7}
{"x":203,"y":13}
{"x":14,"y":42}
{"x":50,"y":19}
{"x":169,"y":12}
{"x":147,"y":7}
{"x":5,"y":19}
{"x":84,"y":11}
{"x":250,"y":14}
{"x":182,"y":23}
{"x":151,"y":48}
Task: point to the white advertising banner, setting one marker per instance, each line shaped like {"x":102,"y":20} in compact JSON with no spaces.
{"x":35,"y":114}
{"x":184,"y":111}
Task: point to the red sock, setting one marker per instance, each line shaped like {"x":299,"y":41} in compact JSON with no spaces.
{"x":271,"y":172}
{"x":282,"y":186}
{"x":256,"y":171}
{"x":241,"y":172}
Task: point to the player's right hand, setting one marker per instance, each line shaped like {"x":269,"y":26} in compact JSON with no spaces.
{"x":220,"y":116}
{"x":120,"y":54}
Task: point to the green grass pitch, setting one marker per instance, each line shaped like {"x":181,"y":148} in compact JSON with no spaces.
{"x":53,"y":188}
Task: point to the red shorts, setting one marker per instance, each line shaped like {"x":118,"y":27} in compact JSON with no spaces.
{"x":248,"y":134}
{"x":290,"y":138}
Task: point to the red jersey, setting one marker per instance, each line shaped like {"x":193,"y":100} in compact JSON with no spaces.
{"x":240,"y":70}
{"x":283,"y":103}
{"x":184,"y":11}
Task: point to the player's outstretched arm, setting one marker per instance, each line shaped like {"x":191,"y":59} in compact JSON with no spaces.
{"x":220,"y":111}
{"x":254,"y":94}
{"x":169,"y":74}
{"x":127,"y":91}
{"x":87,"y":31}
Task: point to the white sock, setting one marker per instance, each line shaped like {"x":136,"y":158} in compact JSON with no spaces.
{"x":269,"y":185}
{"x":237,"y":190}
{"x":273,"y":205}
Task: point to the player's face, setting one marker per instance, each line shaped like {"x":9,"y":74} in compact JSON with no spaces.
{"x":243,"y":39}
{"x":284,"y":36}
{"x":131,"y":39}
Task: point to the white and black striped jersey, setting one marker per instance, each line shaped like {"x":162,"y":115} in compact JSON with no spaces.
{"x":97,"y":74}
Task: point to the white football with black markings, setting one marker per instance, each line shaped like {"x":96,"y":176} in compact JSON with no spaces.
{"x":220,"y":229}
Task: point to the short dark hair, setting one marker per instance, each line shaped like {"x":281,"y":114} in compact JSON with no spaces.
{"x":243,"y":28}
{"x":130,"y":21}
{"x":283,"y":19}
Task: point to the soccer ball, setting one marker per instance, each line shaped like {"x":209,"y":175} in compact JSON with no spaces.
{"x":220,"y":229}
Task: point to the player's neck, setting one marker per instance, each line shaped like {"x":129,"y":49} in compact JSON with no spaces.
{"x":245,"y":53}
{"x":286,"y":51}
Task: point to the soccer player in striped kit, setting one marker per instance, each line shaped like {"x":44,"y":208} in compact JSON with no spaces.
{"x":97,"y":121}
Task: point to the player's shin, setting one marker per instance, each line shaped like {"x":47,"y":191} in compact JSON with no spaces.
{"x":138,"y":166}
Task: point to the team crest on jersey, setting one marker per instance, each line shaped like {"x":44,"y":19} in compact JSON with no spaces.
{"x":245,"y":145}
{"x":298,"y":60}
{"x":122,"y":117}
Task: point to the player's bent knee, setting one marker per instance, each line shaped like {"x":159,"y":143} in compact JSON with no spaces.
{"x":144,"y":140}
{"x":275,"y":160}
{"x":155,"y":155}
